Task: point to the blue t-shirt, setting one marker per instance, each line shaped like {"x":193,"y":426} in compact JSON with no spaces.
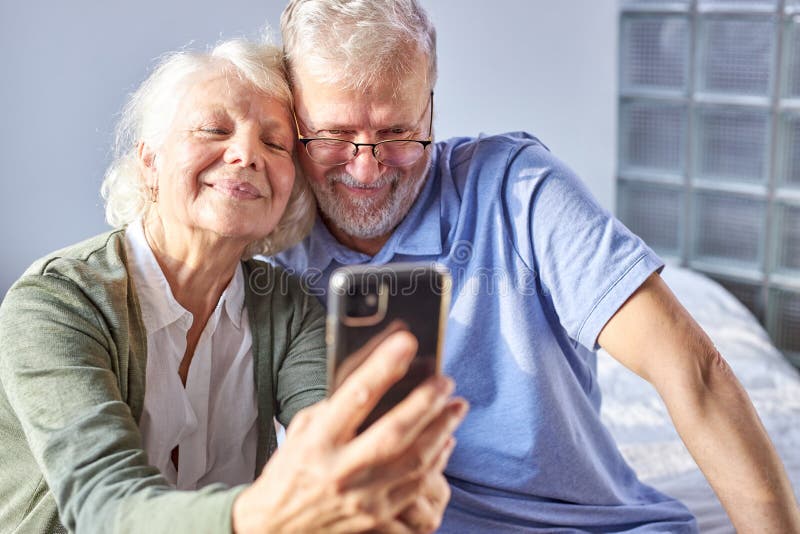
{"x":538,"y":269}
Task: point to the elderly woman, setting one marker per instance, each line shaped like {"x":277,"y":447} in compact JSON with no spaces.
{"x":141,"y":369}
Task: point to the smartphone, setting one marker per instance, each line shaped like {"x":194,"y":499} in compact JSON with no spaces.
{"x":367,"y":303}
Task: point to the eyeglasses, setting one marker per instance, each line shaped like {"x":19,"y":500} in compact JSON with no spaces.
{"x":392,"y":152}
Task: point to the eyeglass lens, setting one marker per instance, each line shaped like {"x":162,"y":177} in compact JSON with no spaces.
{"x":393,"y":153}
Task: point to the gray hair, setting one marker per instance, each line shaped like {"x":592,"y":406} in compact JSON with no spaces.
{"x":356,"y":43}
{"x":150,"y":110}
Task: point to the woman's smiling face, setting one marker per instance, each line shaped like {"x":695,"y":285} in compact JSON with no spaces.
{"x":225,"y":164}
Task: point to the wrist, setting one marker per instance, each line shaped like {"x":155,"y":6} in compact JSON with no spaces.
{"x":244,"y":516}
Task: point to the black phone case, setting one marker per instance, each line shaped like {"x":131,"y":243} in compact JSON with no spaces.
{"x":416,"y":297}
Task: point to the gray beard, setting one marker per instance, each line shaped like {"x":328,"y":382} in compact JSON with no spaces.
{"x":367,"y":218}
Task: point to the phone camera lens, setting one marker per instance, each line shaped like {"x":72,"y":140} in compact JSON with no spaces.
{"x":363,"y":306}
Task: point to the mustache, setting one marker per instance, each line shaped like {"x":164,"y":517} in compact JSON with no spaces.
{"x":348,"y":180}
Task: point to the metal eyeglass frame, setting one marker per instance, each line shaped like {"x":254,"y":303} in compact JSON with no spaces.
{"x":357,"y":146}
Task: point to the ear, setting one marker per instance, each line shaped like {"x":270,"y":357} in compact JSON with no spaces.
{"x":147,"y":163}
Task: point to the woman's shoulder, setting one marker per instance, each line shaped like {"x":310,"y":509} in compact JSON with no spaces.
{"x":102,"y":253}
{"x":94,"y":269}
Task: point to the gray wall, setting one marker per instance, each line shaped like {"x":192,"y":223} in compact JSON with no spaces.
{"x":543,"y":66}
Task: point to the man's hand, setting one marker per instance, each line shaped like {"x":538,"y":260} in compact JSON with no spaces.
{"x":324,"y":478}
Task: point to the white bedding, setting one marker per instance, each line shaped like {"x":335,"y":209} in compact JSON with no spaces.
{"x":638,"y":420}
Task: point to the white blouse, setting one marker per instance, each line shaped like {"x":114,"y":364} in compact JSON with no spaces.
{"x":214,"y":418}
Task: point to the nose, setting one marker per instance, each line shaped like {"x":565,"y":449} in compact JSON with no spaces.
{"x":364,"y":167}
{"x":245,"y":149}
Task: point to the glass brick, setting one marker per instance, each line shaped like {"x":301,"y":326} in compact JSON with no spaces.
{"x":655,"y":52}
{"x":749,"y":294}
{"x":668,"y":4}
{"x":654,"y":213}
{"x":728,"y":228}
{"x":732,"y":143}
{"x":784,"y":320}
{"x":735,"y":55}
{"x":789,"y":163}
{"x":653,"y":136}
{"x":787,"y":238}
{"x":791,"y":53}
{"x":753,"y":5}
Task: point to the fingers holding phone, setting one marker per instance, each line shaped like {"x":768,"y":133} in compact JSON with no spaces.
{"x":321,"y":479}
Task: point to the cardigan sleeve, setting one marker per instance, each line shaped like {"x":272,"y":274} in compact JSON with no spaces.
{"x":302,"y":369}
{"x":57,"y":369}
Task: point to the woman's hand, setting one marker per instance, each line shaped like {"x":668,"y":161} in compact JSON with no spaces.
{"x":324,"y":478}
{"x":425,"y":513}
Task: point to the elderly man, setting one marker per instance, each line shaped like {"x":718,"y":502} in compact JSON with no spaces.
{"x":542,"y":277}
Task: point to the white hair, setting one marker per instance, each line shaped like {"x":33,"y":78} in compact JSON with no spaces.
{"x":150,"y":110}
{"x":355,"y":44}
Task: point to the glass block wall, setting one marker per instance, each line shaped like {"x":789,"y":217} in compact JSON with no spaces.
{"x":709,"y":145}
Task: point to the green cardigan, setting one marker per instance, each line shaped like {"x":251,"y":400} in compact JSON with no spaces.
{"x":73,"y":352}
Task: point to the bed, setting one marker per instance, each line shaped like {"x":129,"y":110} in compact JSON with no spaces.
{"x":638,"y":420}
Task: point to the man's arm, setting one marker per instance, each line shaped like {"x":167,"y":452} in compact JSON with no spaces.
{"x":655,"y":337}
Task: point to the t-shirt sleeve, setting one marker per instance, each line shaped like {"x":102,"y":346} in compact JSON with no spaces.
{"x":57,"y":374}
{"x":587,"y":261}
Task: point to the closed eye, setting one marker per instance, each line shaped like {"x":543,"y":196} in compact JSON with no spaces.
{"x":214,"y":131}
{"x":275,"y":146}
{"x":334,"y":133}
{"x":394,"y":133}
